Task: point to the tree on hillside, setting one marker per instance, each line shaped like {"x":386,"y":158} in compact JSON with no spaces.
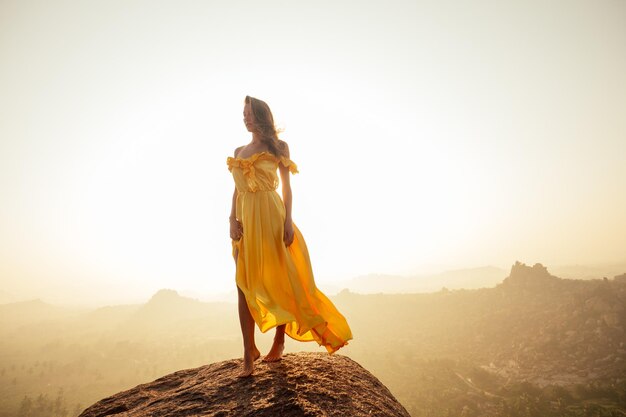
{"x":43,"y":406}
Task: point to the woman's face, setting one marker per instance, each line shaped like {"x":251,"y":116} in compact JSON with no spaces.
{"x":248,"y":117}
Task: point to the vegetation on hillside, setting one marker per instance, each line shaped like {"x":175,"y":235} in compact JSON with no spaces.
{"x":535,"y":345}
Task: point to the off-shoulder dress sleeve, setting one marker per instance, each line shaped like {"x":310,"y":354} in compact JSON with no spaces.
{"x":293,"y":168}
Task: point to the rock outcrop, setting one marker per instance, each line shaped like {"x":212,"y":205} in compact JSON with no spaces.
{"x":301,"y":384}
{"x":535,"y":277}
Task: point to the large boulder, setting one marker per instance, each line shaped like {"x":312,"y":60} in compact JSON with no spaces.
{"x":301,"y":384}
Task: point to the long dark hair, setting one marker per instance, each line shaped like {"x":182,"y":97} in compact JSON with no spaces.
{"x":264,"y":123}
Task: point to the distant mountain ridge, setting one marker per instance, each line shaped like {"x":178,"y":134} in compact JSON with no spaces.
{"x":466,"y":278}
{"x":92,"y":295}
{"x":469,"y":278}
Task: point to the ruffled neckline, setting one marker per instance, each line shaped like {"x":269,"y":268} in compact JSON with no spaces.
{"x":249,"y":160}
{"x":254,"y":156}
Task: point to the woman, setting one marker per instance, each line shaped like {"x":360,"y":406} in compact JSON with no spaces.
{"x":273,"y":271}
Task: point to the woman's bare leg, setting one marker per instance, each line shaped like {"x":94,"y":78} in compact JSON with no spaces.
{"x":250,"y":351}
{"x":276,"y":352}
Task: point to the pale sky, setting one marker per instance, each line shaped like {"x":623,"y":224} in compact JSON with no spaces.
{"x":429,"y":136}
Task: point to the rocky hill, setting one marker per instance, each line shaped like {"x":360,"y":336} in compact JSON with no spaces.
{"x":302,"y":384}
{"x":532,"y":327}
{"x":560,"y":331}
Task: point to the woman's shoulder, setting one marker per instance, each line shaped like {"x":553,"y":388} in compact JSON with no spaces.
{"x":284,"y":148}
{"x":284,"y":158}
{"x":237,"y":150}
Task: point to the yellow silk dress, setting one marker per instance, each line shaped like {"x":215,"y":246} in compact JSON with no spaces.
{"x":277,"y":280}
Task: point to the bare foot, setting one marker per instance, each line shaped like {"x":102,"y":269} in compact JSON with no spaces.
{"x":248,"y":363}
{"x":276,"y":352}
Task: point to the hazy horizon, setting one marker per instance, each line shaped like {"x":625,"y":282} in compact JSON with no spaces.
{"x":375,"y":283}
{"x":430,"y":136}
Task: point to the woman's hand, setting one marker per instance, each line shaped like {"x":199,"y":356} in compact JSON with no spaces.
{"x":289,"y":233}
{"x":236,"y":229}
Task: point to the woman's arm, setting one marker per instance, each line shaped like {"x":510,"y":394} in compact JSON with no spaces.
{"x":236,"y":228}
{"x":287,"y":199}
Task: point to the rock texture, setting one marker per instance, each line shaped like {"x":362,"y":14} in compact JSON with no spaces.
{"x":301,"y":384}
